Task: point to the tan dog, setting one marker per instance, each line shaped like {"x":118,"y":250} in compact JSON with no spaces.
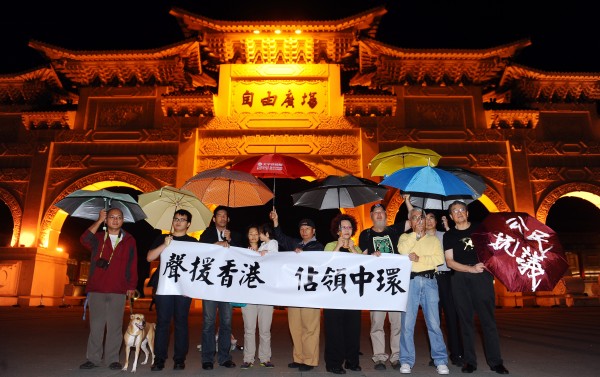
{"x":140,"y":335}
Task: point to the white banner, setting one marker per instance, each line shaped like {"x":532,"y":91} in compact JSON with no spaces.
{"x":317,"y":279}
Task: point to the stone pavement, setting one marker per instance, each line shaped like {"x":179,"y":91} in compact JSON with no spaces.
{"x":51,"y":342}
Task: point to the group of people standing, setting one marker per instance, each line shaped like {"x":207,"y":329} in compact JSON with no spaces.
{"x":445,"y":274}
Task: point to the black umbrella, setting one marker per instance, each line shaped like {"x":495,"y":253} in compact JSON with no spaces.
{"x":336,"y":191}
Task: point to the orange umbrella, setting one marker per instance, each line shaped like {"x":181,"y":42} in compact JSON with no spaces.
{"x":228,"y":187}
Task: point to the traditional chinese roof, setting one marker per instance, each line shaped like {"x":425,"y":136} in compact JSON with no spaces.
{"x":383,"y":65}
{"x":175,"y":65}
{"x":542,"y":86}
{"x":188,"y":104}
{"x":278,"y":41}
{"x":28,"y":87}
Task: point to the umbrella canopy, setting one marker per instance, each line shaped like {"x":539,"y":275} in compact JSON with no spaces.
{"x":385,"y":163}
{"x":86,"y":204}
{"x":336,"y":191}
{"x":427,"y":182}
{"x":274,"y":165}
{"x":228,"y":187}
{"x":520,"y":251}
{"x":441,"y":202}
{"x":160,"y":206}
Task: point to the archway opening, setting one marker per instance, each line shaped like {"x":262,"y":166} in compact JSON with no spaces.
{"x":575,"y":219}
{"x":6,"y":230}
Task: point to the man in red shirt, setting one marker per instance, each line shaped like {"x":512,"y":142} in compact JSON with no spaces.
{"x":113,"y":278}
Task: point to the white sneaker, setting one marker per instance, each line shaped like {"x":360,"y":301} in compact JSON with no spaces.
{"x":443,"y":369}
{"x":405,"y":369}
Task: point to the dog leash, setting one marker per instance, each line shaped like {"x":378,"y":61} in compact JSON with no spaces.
{"x":132,"y":298}
{"x":85,"y":304}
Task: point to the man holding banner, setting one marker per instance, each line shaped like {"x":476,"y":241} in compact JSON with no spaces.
{"x":218,"y":235}
{"x":305,"y":323}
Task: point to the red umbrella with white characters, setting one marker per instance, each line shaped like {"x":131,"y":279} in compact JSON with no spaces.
{"x":274,"y":165}
{"x":520,"y":251}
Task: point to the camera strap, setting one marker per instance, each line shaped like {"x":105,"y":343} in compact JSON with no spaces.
{"x":106,"y":236}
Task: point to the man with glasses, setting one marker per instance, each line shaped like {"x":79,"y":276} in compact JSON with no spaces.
{"x":425,"y":252}
{"x":113,"y":277}
{"x":377,"y":240}
{"x":171,"y":307}
{"x":443,"y":275}
{"x":473,"y":291}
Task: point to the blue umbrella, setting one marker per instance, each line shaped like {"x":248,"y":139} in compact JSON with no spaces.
{"x":428,"y":182}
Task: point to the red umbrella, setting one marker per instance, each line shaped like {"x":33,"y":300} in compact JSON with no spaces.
{"x":274,"y":165}
{"x":520,"y":251}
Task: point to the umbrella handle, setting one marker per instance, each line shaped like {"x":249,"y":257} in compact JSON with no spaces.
{"x":106,"y":205}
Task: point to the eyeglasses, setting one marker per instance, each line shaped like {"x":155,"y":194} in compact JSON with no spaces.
{"x":416,"y":218}
{"x":458,"y":210}
{"x":179,"y":219}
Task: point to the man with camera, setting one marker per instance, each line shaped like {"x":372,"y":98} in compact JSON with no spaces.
{"x":112,"y":278}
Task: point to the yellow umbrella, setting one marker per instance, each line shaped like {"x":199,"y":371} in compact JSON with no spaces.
{"x":160,"y":206}
{"x":385,"y":163}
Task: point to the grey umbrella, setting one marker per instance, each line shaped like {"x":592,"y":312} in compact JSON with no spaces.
{"x":336,"y":191}
{"x":87,"y":204}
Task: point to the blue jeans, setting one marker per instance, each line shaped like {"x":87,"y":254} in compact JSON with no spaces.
{"x":209,"y":316}
{"x":424,"y":292}
{"x":176,"y":308}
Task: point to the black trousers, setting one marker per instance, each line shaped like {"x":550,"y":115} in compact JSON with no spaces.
{"x":447,"y":307}
{"x":342,"y":337}
{"x":474,"y":293}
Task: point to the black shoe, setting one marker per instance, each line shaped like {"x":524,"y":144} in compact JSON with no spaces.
{"x":432,"y":364}
{"x":115,"y":366}
{"x":179,"y":365}
{"x":228,"y":364}
{"x":336,"y":370}
{"x":158,"y":365}
{"x":458,"y":361}
{"x":207,"y":365}
{"x":380,"y":365}
{"x":354,"y":368}
{"x":500,"y":369}
{"x":468,"y":368}
{"x":305,"y":368}
{"x":294,"y":365}
{"x":88,"y":365}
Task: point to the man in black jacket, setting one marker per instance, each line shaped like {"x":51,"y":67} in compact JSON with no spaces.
{"x":218,"y":234}
{"x":305,"y":323}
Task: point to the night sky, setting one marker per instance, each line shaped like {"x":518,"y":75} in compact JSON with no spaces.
{"x":563,"y":38}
